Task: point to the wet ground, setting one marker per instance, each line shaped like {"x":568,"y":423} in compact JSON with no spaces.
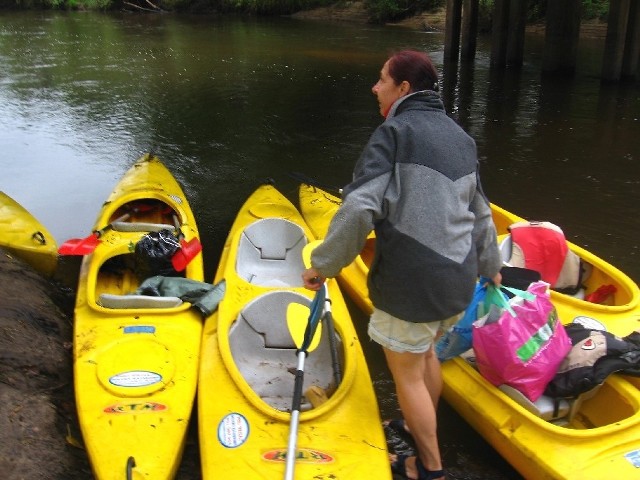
{"x":36,"y":386}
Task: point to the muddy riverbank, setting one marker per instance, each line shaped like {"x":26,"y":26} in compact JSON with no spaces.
{"x":434,"y":20}
{"x":36,"y":386}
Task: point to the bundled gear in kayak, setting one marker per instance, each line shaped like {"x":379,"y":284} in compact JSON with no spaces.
{"x":595,"y":355}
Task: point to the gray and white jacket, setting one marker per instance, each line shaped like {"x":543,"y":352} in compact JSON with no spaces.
{"x":417,"y":184}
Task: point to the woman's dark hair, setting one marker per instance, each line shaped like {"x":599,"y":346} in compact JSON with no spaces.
{"x":414,"y":67}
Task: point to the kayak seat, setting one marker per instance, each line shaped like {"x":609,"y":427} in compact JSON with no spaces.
{"x":559,"y":411}
{"x":547,"y":408}
{"x":266,"y":355}
{"x":108,"y":300}
{"x":270,"y":253}
{"x":140,"y":227}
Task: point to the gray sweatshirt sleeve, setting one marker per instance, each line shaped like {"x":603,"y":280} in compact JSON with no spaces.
{"x":344,"y":241}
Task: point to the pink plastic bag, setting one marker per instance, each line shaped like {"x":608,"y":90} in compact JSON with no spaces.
{"x":523,"y":351}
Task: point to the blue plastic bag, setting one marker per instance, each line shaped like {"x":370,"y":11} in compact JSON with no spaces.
{"x":458,"y":339}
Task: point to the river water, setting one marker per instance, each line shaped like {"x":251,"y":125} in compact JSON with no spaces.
{"x":228,"y":102}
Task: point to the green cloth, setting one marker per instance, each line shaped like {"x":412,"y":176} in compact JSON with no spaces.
{"x":203,"y":296}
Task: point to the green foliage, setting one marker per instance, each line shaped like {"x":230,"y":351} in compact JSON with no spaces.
{"x":96,"y":4}
{"x":381,"y":11}
{"x":177,"y":5}
{"x":79,"y":4}
{"x":269,"y":7}
{"x":595,"y":9}
{"x":60,"y":3}
{"x":537,"y":9}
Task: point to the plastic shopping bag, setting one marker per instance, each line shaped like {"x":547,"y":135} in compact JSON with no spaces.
{"x":458,"y":339}
{"x":521,"y":343}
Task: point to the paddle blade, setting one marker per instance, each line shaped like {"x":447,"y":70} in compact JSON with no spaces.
{"x":186,"y":253}
{"x":297,"y":321}
{"x":79,"y":246}
{"x":307,"y":250}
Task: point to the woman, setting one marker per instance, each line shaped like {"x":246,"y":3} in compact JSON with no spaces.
{"x":417,"y":184}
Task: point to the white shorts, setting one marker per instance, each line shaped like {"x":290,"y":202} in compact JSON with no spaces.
{"x":401,"y":336}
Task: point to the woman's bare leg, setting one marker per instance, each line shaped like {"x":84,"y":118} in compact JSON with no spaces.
{"x":414,"y":375}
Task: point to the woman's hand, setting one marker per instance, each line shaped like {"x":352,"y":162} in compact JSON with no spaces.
{"x":312,"y":279}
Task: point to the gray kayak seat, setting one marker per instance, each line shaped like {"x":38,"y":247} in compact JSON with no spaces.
{"x":108,"y":300}
{"x":559,"y":411}
{"x":270,"y":253}
{"x":266,"y":355}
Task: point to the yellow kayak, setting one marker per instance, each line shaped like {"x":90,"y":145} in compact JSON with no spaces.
{"x":25,"y":237}
{"x":135,"y":357}
{"x":249,"y":361}
{"x":596,"y":437}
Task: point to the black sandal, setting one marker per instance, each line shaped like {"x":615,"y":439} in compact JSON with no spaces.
{"x":399,"y":467}
{"x":399,"y":427}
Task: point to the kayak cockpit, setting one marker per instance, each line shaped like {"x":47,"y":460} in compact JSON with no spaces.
{"x":134,"y":215}
{"x":265,"y":353}
{"x":587,"y":411}
{"x":118,"y":277}
{"x":598,"y":289}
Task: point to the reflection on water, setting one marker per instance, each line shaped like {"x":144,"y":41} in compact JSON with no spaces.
{"x":227,"y":103}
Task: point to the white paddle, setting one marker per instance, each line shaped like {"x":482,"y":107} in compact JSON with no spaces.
{"x":310,"y":340}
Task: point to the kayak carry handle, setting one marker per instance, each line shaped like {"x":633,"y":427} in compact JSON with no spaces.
{"x":131,"y":464}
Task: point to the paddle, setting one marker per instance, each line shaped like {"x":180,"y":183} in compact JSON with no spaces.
{"x":85,"y":246}
{"x":308,"y":340}
{"x":297,"y":321}
{"x":328,"y":316}
{"x":302,"y":178}
{"x":328,"y":321}
{"x":187,"y":251}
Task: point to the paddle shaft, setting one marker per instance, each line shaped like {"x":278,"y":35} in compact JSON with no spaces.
{"x":176,"y":224}
{"x":328,"y":323}
{"x":121,"y":218}
{"x":85,"y":246}
{"x":295,"y":417}
{"x":315,"y":313}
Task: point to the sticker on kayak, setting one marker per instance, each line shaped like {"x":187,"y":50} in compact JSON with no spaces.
{"x":634,"y":458}
{"x":140,"y":329}
{"x":233,"y":430}
{"x":143,"y":407}
{"x":135,"y":378}
{"x":303,"y":455}
{"x":176,"y":199}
